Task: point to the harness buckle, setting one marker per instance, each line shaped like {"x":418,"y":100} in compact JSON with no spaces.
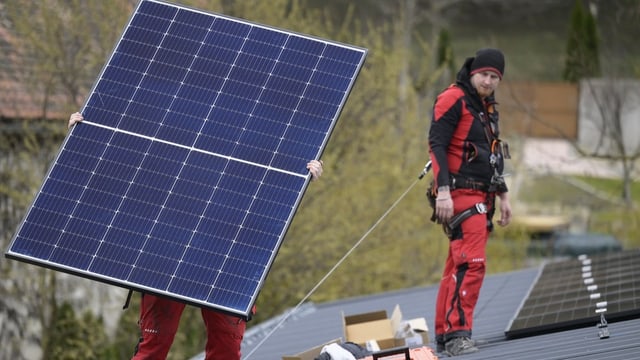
{"x":481,"y":208}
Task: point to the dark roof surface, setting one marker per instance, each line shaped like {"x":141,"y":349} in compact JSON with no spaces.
{"x":500,"y":299}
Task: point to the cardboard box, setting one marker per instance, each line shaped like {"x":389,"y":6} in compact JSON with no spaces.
{"x":388,"y":332}
{"x":311,"y":353}
{"x":414,"y":332}
{"x":375,"y":325}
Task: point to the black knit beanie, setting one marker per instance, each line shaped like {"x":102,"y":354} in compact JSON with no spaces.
{"x":488,"y":60}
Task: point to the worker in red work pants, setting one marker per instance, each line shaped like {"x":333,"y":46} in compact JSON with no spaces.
{"x":464,"y":268}
{"x":159,"y":320}
{"x":467,"y":157}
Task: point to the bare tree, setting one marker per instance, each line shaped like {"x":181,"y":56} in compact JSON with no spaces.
{"x":609,"y":113}
{"x":63,"y":44}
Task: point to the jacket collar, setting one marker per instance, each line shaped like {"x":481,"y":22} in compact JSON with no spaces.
{"x":463,"y":80}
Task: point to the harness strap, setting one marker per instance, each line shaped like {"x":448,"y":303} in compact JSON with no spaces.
{"x":457,"y":219}
{"x":128,"y":300}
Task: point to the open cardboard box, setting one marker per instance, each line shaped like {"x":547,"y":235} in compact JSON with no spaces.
{"x":388,"y":332}
{"x":311,"y":353}
{"x":412,"y":333}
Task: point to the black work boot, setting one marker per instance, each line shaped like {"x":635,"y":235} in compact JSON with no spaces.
{"x":460,"y":346}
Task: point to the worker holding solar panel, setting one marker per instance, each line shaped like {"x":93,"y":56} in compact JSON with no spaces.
{"x":160,"y":316}
{"x":467,"y":159}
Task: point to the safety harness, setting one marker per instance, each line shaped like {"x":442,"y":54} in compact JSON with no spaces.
{"x":498,"y":148}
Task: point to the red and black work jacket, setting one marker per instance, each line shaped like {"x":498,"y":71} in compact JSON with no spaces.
{"x":463,"y":135}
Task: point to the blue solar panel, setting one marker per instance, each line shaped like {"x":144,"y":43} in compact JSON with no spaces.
{"x":191,"y":163}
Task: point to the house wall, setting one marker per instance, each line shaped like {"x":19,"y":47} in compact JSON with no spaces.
{"x":609,"y":114}
{"x":539,"y":109}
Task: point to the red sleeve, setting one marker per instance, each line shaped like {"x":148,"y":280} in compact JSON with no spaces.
{"x":447,"y":112}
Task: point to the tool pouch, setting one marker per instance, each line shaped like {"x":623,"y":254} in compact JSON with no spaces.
{"x":431,"y":196}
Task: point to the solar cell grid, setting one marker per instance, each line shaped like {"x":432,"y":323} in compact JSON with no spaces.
{"x":561,"y":299}
{"x":191,"y":162}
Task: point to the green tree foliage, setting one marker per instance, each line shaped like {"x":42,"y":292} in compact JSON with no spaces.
{"x":191,"y":336}
{"x":574,"y":52}
{"x":591,"y":45}
{"x":582,"y":58}
{"x":75,"y":339}
{"x":445,"y":56}
{"x":123,"y":343}
{"x":27,"y":149}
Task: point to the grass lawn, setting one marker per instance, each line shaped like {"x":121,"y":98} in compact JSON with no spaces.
{"x":600,"y":208}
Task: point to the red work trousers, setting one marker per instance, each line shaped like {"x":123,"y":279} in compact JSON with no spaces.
{"x":464,"y":270}
{"x":159,"y":320}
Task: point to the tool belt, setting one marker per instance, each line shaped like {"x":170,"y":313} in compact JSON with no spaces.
{"x":479,"y":208}
{"x":456,"y":182}
{"x":459,"y":182}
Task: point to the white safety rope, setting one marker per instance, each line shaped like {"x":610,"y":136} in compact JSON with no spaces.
{"x":346,"y":255}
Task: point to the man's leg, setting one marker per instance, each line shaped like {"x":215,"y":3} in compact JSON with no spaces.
{"x":159,"y":320}
{"x":446,"y":281}
{"x":467,"y":249}
{"x":463,"y":295}
{"x":224,"y":335}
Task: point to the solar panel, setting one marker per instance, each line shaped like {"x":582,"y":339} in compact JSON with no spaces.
{"x":191,"y":163}
{"x":575,"y":293}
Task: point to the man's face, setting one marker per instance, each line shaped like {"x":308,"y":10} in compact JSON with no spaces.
{"x":485,"y":82}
